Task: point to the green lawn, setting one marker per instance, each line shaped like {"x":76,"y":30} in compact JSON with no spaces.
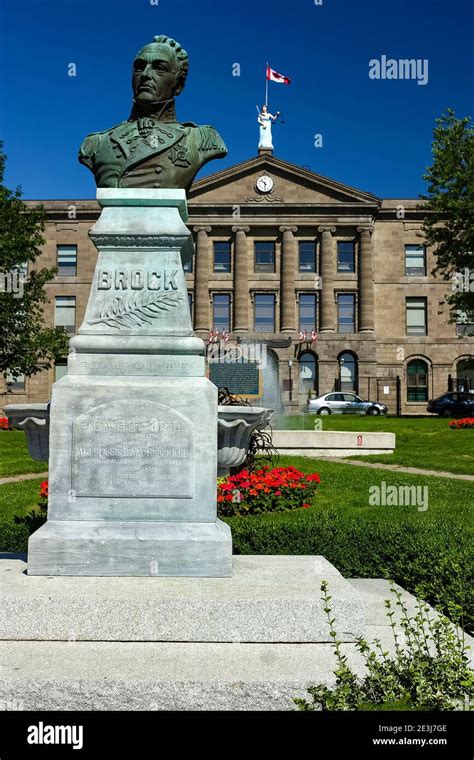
{"x":425,"y":442}
{"x":428,"y":552}
{"x":343,"y":487}
{"x":18,"y":498}
{"x":346,"y":489}
{"x":14,"y":457}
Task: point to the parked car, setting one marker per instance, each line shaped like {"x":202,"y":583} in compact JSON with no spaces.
{"x":454,"y":404}
{"x":344,"y":403}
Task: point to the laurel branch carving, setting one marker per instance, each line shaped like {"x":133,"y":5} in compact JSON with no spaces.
{"x":137,"y":309}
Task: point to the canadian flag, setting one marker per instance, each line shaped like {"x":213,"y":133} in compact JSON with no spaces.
{"x":274,"y":76}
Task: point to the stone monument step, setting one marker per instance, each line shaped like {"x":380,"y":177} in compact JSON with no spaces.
{"x":109,"y":675}
{"x":136,"y":548}
{"x":267,"y":599}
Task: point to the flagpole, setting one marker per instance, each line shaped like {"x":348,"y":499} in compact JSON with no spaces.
{"x":266,"y":85}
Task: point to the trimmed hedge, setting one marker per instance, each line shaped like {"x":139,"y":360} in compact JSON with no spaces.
{"x":13,"y":537}
{"x":431,"y":559}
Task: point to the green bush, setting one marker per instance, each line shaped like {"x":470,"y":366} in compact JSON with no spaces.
{"x":13,"y":537}
{"x":430,"y":559}
{"x":429,"y":671}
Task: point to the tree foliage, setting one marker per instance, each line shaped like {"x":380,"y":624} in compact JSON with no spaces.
{"x":449,"y":205}
{"x":26,"y":345}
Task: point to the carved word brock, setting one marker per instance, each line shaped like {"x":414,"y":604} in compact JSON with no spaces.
{"x":136,"y":279}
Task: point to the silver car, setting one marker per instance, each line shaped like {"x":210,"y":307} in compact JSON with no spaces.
{"x":344,"y":403}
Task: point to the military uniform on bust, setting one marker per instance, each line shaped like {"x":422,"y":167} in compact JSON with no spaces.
{"x":151,"y":149}
{"x":147,"y":153}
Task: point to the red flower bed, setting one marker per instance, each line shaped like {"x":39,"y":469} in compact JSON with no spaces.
{"x":465,"y":423}
{"x":280,"y":489}
{"x":4,"y":425}
{"x":248,"y":493}
{"x":43,"y":495}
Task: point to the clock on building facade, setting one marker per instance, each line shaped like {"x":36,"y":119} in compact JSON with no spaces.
{"x":264,"y":184}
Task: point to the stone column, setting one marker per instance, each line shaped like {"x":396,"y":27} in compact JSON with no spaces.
{"x":241,"y":285}
{"x":366,"y":280}
{"x":328,"y":273}
{"x":288,"y":267}
{"x":201,"y":281}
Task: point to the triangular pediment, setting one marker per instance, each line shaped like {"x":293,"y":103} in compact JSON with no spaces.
{"x":292,"y":184}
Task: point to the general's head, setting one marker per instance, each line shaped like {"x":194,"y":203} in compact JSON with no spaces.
{"x":159,"y":70}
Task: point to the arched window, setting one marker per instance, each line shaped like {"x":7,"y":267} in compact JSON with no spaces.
{"x":308,"y":372}
{"x":417,"y":380}
{"x":348,"y":372}
{"x":465,"y":374}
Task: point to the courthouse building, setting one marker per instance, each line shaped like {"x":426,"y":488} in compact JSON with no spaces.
{"x":330,"y":285}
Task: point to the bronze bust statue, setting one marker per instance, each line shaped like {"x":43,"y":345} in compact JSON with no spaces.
{"x":152,"y":149}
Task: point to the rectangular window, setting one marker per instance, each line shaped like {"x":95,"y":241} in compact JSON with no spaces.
{"x":415,"y":260}
{"x":345,"y":256}
{"x":265,"y":256}
{"x":307,"y":255}
{"x":416,"y":316}
{"x":22,"y":269}
{"x":15,"y":384}
{"x":188,"y":266}
{"x":264,"y":313}
{"x":222,"y":257}
{"x":60,"y":369}
{"x":221,"y":312}
{"x":417,"y":381}
{"x":67,"y":260}
{"x":346,"y":312}
{"x":464,"y":326}
{"x":190,"y":302}
{"x":308,"y":312}
{"x":65,"y":313}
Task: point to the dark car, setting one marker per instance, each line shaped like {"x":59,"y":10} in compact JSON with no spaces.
{"x":453,"y":405}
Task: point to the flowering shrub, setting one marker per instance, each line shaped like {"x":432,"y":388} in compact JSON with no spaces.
{"x":280,"y":489}
{"x":43,"y":495}
{"x":466,"y":422}
{"x":4,"y":425}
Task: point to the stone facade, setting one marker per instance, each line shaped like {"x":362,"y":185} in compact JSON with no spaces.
{"x":302,"y":206}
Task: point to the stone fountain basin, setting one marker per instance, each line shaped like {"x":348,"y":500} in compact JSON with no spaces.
{"x":34,"y":420}
{"x":235,"y":426}
{"x":18,"y":413}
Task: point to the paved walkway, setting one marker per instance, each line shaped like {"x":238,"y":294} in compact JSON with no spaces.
{"x":28,"y":476}
{"x":400,"y":468}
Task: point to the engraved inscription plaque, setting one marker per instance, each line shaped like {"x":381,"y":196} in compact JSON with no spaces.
{"x":133,"y":448}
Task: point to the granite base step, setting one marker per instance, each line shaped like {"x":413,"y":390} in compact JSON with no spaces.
{"x":268,"y":599}
{"x":148,"y":676}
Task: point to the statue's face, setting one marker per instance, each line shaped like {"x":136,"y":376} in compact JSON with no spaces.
{"x":155,"y":72}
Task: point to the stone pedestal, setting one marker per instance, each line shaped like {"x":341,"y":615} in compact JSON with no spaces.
{"x":133,"y":429}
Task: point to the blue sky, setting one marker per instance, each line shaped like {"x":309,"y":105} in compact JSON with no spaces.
{"x":376,"y":133}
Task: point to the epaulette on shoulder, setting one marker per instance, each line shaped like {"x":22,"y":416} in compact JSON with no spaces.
{"x":89,"y":146}
{"x":211,"y":139}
